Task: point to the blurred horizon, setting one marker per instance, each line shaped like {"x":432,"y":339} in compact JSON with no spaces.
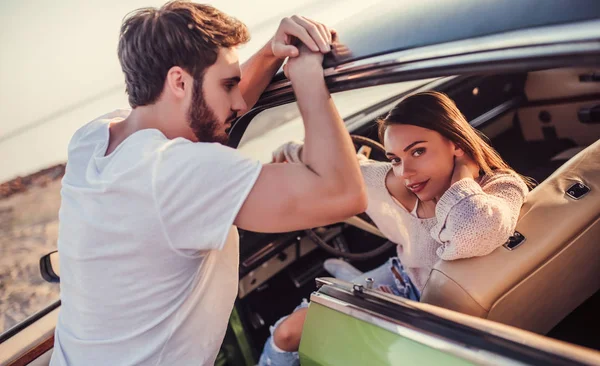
{"x":59,"y":67}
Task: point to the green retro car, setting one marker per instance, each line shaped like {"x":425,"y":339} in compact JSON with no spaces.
{"x":526,"y":74}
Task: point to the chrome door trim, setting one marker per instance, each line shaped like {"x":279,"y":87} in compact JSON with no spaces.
{"x":481,"y":60}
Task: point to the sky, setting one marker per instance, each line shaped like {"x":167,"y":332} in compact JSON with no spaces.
{"x":59,"y":67}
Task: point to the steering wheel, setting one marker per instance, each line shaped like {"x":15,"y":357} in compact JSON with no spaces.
{"x":376,"y":152}
{"x":377,"y":149}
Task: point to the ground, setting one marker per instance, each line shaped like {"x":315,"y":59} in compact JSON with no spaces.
{"x":28,"y":230}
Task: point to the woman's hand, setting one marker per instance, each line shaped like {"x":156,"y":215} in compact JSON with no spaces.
{"x":291,"y":148}
{"x":279,"y":155}
{"x":464,"y":167}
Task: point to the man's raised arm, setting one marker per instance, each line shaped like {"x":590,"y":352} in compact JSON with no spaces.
{"x":328,"y":186}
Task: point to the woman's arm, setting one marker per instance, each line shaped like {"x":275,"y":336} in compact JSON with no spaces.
{"x":473,"y":220}
{"x":373,"y":172}
{"x":291,"y":152}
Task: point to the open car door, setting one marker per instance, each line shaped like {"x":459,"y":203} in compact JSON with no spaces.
{"x":349,"y":324}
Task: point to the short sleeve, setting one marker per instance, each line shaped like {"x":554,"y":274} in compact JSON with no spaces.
{"x":199,"y":189}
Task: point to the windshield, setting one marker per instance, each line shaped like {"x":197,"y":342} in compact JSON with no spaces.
{"x":275,"y":126}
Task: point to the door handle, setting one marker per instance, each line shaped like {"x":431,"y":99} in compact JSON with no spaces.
{"x":589,"y":115}
{"x":590,"y":78}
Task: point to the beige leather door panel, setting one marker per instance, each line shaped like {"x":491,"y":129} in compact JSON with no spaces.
{"x":559,"y":83}
{"x":563,"y":118}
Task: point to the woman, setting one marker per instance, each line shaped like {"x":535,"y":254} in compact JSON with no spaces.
{"x":446,"y":194}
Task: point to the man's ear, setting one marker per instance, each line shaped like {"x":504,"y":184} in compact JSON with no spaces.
{"x":176,"y":82}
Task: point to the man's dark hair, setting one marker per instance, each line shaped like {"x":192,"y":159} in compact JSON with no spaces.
{"x":180,"y":34}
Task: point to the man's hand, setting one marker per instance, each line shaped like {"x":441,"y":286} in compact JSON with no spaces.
{"x":464,"y":167}
{"x":297,"y":30}
{"x":292,"y":32}
{"x":306,"y":64}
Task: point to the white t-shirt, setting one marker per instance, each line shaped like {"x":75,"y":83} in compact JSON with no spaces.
{"x":148,"y":251}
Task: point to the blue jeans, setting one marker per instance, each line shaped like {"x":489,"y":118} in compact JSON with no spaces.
{"x":389,"y":277}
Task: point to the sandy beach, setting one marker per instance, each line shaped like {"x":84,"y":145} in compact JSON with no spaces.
{"x":28,"y":230}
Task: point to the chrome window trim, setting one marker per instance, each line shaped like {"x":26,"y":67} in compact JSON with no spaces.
{"x":480,"y":357}
{"x":481,"y":59}
{"x":517,"y":41}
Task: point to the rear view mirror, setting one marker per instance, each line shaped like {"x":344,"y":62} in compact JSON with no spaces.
{"x":50,"y":267}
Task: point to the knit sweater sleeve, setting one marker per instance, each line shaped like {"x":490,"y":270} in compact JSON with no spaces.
{"x":373,"y":172}
{"x":473,"y":220}
{"x":290,"y":150}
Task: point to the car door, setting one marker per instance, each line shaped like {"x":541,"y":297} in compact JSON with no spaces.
{"x":349,"y":324}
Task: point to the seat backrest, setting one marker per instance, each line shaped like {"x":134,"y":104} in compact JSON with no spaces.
{"x":553,"y":271}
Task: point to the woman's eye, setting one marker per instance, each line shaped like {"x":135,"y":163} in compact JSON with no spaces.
{"x":395,"y":161}
{"x":418,"y":152}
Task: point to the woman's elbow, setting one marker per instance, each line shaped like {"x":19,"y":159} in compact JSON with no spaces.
{"x":470,"y":246}
{"x":494,"y":230}
{"x":488,"y":241}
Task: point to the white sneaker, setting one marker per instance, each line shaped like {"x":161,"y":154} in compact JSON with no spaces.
{"x":341,"y":269}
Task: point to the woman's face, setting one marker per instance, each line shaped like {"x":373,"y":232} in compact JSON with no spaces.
{"x":423,"y":159}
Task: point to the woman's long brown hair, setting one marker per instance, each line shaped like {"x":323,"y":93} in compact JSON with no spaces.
{"x":436,"y":111}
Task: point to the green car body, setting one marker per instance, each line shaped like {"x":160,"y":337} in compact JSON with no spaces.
{"x":334,"y":338}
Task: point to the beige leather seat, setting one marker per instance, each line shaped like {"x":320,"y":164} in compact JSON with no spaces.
{"x":552,"y":272}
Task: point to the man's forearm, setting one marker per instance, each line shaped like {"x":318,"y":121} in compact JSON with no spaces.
{"x":328,"y":149}
{"x":257,"y":72}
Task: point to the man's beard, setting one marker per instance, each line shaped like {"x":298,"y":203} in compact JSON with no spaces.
{"x":203,"y":121}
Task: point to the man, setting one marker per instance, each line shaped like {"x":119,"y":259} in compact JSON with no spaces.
{"x":150,"y":200}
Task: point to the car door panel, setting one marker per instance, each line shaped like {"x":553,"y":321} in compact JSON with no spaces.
{"x":349,"y":324}
{"x":559,"y":121}
{"x":560,"y":84}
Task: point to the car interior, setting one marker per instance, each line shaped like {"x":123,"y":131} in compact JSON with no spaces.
{"x":545,"y":279}
{"x":549,"y":284}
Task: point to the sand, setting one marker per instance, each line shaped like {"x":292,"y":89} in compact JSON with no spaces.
{"x":28,"y":230}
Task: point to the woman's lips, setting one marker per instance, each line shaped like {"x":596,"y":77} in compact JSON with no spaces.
{"x":417,"y":187}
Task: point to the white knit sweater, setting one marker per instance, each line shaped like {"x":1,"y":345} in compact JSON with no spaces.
{"x":471,"y":219}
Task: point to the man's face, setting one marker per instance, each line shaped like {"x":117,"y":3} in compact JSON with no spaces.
{"x":217,"y":99}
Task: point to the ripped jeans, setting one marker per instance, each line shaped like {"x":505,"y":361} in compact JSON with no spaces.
{"x":389,"y":277}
